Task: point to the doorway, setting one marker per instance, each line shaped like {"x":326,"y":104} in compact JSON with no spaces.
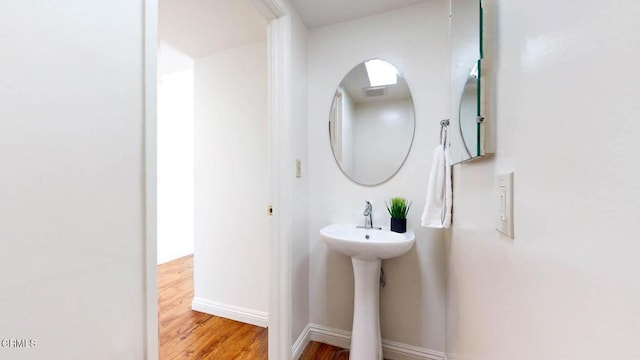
{"x":279,"y":40}
{"x":223,"y":46}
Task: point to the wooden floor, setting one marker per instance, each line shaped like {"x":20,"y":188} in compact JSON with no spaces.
{"x":318,"y":351}
{"x":188,"y":334}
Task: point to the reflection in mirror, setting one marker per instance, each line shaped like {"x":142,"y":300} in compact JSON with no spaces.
{"x":371,"y":122}
{"x":468,"y":113}
{"x":466,"y":90}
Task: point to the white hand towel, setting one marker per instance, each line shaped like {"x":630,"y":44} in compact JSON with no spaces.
{"x":437,"y":209}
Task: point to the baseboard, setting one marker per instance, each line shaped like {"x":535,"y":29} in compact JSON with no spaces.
{"x":249,"y":316}
{"x":399,"y":351}
{"x":331,"y":336}
{"x":391,"y":349}
{"x":301,"y":343}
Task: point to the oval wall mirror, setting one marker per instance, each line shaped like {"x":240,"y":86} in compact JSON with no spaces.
{"x":371,"y":122}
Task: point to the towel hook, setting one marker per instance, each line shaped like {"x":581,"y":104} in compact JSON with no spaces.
{"x":444,"y":126}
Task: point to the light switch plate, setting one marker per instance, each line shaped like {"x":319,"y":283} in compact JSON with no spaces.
{"x":504,"y":194}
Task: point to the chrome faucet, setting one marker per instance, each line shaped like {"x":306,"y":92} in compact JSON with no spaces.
{"x":368,"y":210}
{"x":368,"y":222}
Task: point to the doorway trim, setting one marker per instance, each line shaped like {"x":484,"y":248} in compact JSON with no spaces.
{"x":150,"y":113}
{"x":279,"y":35}
{"x":280,"y":296}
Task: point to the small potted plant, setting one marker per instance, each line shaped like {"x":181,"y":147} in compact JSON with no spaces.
{"x":398,"y":208}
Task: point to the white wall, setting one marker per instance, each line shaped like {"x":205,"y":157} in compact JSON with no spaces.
{"x":175,"y":165}
{"x":565,"y":101}
{"x":71,"y":185}
{"x":413,"y":302}
{"x":300,"y":189}
{"x":231,"y":179}
{"x":170,"y":59}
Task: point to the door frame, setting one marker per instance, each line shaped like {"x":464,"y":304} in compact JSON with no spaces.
{"x":280,"y":150}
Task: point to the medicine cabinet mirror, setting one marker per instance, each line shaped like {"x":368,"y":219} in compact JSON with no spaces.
{"x":467,"y":125}
{"x":371,"y":122}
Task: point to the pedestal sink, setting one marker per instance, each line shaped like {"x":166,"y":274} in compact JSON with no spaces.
{"x":367,"y":248}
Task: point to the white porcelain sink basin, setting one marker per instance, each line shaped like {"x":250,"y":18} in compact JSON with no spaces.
{"x":367,"y":244}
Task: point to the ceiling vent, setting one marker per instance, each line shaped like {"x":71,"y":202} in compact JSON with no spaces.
{"x":374,"y":91}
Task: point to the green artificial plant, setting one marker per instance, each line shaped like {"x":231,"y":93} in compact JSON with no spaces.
{"x":398,"y":207}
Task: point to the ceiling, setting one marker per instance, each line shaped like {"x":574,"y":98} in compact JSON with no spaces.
{"x":189,"y":29}
{"x":201,"y":27}
{"x":318,"y":13}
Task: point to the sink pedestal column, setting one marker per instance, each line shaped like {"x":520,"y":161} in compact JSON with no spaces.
{"x":366,"y":343}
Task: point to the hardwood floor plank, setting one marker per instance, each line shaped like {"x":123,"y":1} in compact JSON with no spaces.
{"x":320,"y":351}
